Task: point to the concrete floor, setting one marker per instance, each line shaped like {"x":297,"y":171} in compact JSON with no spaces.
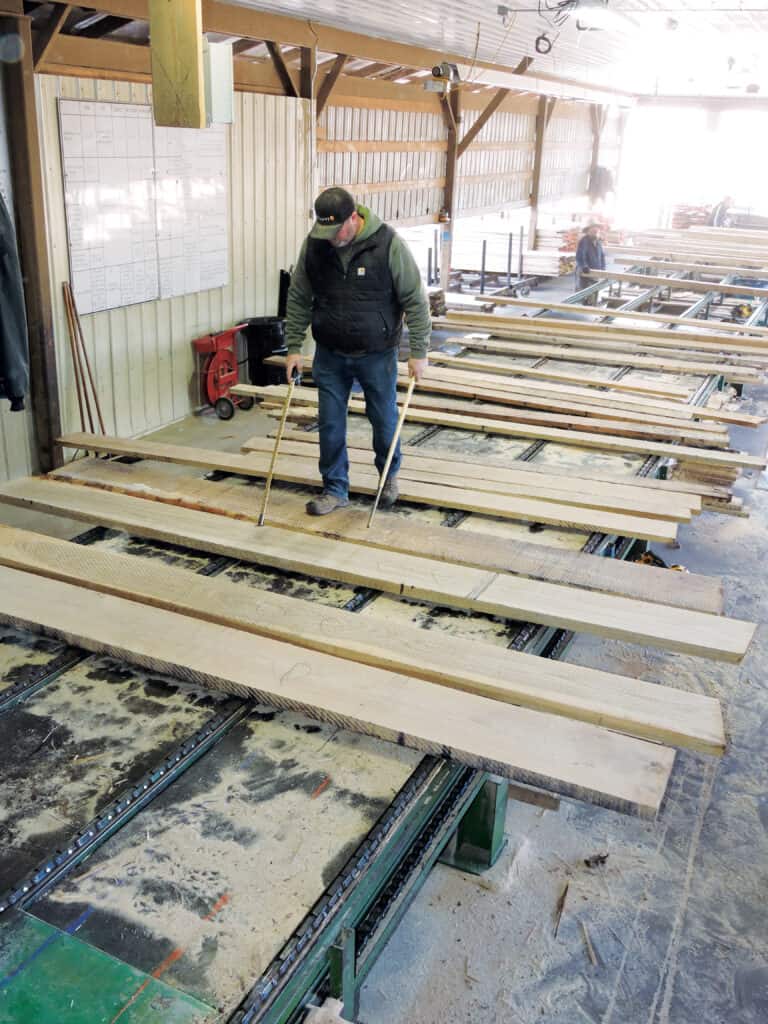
{"x":675,"y":919}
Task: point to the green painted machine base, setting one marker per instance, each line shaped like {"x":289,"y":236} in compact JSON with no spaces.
{"x":47,"y":974}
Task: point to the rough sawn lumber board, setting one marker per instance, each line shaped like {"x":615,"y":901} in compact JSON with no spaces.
{"x":637,"y":708}
{"x":405,"y":576}
{"x":464,"y":547}
{"x":572,"y":758}
{"x":291,"y":469}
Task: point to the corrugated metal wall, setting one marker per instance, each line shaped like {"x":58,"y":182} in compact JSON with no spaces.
{"x":16,"y":428}
{"x":567,"y":153}
{"x":392,"y":160}
{"x":497,"y":169}
{"x":142,"y":354}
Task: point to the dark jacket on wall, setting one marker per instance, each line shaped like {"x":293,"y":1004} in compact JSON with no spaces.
{"x":14,"y":348}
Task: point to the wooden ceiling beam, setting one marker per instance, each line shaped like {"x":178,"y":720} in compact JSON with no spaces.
{"x":329,"y":82}
{"x":493,"y":105}
{"x":45,"y":37}
{"x":282,"y":71}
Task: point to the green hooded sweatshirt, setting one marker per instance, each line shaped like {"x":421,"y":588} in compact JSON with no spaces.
{"x":405,"y":275}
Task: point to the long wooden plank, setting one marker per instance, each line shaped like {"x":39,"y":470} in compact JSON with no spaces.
{"x":678,"y":432}
{"x":723,"y":270}
{"x":716,"y":326}
{"x":663,"y":391}
{"x":606,"y":403}
{"x":557,"y":351}
{"x":179,"y":486}
{"x":421,"y":467}
{"x":678,"y":283}
{"x":637,"y":708}
{"x":541,"y":394}
{"x":749,"y":352}
{"x":253,"y":467}
{"x":663,"y":388}
{"x":696,"y":256}
{"x":579,"y":476}
{"x":620,"y":772}
{"x":176,"y":46}
{"x":406,"y":576}
{"x":303,"y":471}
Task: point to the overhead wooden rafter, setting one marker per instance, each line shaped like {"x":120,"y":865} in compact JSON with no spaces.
{"x":281,"y":68}
{"x":330,"y":80}
{"x":47,"y":34}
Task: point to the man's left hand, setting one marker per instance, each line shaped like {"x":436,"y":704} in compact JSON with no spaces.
{"x":417,"y":368}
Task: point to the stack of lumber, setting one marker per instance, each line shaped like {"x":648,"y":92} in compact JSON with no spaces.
{"x":696,"y":352}
{"x":523,"y":717}
{"x":548,"y":262}
{"x":715,"y":245}
{"x":563,"y":239}
{"x":639,"y":319}
{"x":684,"y":216}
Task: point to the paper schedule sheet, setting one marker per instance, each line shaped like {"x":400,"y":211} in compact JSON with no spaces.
{"x":146,"y":207}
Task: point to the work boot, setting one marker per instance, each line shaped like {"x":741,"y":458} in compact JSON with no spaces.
{"x":390,"y":492}
{"x":325,"y":503}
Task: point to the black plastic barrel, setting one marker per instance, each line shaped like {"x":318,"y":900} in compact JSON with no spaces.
{"x":264,"y":336}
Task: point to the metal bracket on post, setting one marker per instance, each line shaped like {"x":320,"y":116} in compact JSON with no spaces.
{"x":479,"y":839}
{"x":342,"y":973}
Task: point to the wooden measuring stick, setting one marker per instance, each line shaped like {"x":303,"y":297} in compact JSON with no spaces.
{"x":392,"y":447}
{"x":295,"y":379}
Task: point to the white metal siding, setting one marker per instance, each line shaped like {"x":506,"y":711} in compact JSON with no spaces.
{"x":368,"y":174}
{"x":16,"y":445}
{"x":497,"y":170}
{"x":567,"y":153}
{"x":142,"y":354}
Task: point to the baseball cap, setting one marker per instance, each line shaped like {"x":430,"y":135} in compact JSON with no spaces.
{"x":332,"y":207}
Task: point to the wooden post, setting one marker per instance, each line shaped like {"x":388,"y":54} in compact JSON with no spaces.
{"x":308,"y":70}
{"x":176,"y":47}
{"x":598,"y":117}
{"x":543,"y":117}
{"x":452,"y":115}
{"x":30,"y":222}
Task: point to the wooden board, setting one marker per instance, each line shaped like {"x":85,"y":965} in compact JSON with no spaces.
{"x":606,"y":402}
{"x":557,"y":351}
{"x":625,"y":705}
{"x":405,"y":576}
{"x":290,"y":469}
{"x":176,"y":47}
{"x":723,"y":270}
{"x":607,"y":337}
{"x":579,"y":476}
{"x":620,"y":772}
{"x":649,"y":280}
{"x":421,"y":467}
{"x":463,"y":547}
{"x":676,"y":431}
{"x":630,"y":314}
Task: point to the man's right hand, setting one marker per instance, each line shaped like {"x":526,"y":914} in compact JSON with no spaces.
{"x":293,"y":361}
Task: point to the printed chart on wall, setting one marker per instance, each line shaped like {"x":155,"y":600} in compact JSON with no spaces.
{"x":146,"y":207}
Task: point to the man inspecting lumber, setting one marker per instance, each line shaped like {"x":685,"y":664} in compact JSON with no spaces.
{"x":354,"y":281}
{"x":590,"y":255}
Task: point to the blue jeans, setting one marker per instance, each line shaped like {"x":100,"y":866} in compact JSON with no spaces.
{"x":333,"y":374}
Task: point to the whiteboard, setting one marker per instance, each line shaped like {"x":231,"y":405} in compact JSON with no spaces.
{"x":146,"y":207}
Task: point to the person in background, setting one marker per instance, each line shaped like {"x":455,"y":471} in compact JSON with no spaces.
{"x":354,"y":282}
{"x":589,"y":256}
{"x":719,"y":216}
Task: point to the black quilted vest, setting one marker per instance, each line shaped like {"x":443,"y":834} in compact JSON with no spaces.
{"x":357,"y":311}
